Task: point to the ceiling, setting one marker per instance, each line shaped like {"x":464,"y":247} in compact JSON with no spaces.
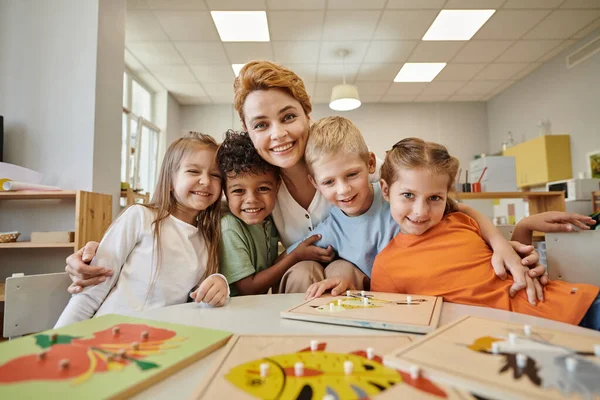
{"x":174,"y":45}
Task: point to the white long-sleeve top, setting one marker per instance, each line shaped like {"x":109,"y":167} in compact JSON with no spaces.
{"x":126,"y":248}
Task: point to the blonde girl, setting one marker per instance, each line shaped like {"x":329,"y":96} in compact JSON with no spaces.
{"x":440,"y":251}
{"x":159,"y":252}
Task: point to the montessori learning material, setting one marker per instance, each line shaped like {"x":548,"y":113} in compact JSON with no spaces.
{"x":389,"y":311}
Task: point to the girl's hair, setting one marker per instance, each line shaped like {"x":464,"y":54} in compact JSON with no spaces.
{"x":163,"y":201}
{"x":415,"y":153}
{"x":263,"y":75}
{"x":238,"y":156}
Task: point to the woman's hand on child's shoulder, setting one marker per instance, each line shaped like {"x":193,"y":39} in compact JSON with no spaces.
{"x":337,"y":286}
{"x":212,"y":291}
{"x":308,"y":251}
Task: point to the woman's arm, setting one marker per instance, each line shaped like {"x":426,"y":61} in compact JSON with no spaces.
{"x":117,"y":243}
{"x":551,"y":221}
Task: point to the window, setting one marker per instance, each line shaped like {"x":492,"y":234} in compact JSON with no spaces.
{"x":140,"y":137}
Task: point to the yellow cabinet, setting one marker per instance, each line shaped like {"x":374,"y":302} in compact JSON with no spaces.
{"x":541,"y":160}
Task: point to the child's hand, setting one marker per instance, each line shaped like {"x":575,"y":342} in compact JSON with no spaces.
{"x":558,"y":221}
{"x":213,"y":291}
{"x":505,"y":258}
{"x":337,"y":286}
{"x":308,"y":251}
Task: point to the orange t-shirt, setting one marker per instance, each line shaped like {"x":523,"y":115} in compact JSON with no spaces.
{"x":453,"y":261}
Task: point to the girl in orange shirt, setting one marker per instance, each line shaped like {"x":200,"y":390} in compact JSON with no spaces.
{"x":440,"y":252}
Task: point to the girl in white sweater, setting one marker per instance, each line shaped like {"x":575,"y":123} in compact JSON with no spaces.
{"x":159,"y":252}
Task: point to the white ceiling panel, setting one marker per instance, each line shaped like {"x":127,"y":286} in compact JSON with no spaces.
{"x":329,"y":52}
{"x":296,"y":5}
{"x":151,"y":53}
{"x":510,"y":24}
{"x":497,"y":90}
{"x":581,"y":4}
{"x":372,"y":88}
{"x":192,"y":100}
{"x":334,"y":73}
{"x":213,"y":73}
{"x":337,"y":25}
{"x":133,"y":63}
{"x":176,"y":4}
{"x":561,"y":24}
{"x":143,"y":25}
{"x":295,"y":25}
{"x":391,"y":98}
{"x":308,"y":72}
{"x":136,"y":5}
{"x":500,"y":71}
{"x":403,"y":25}
{"x":548,"y":4}
{"x":479,"y":87}
{"x":218,"y":90}
{"x":469,"y":98}
{"x":389,"y":51}
{"x":323,"y":89}
{"x":355,"y":4}
{"x":189,"y":89}
{"x":236,"y":5}
{"x":150,"y":81}
{"x":473,"y":4}
{"x":433,"y":51}
{"x":442,"y":88}
{"x":188,"y":25}
{"x":296,"y":52}
{"x":170,"y":74}
{"x":378,"y":72}
{"x":459,"y":72}
{"x":481,"y":51}
{"x":557,"y":50}
{"x":588,"y":29}
{"x":430,"y":99}
{"x":527,"y":50}
{"x":370,"y":98}
{"x":242,"y":52}
{"x":403,"y":89}
{"x":412,"y":4}
{"x":530,"y":68}
{"x":202,"y":52}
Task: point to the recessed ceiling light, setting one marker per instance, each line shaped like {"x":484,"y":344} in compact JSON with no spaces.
{"x":241,"y":26}
{"x":419,"y":72}
{"x":457,"y":24}
{"x":236,"y":68}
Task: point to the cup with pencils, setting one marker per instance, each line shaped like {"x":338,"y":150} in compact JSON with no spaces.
{"x":476,"y":186}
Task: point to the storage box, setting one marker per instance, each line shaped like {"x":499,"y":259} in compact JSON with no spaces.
{"x":501,"y":175}
{"x":53,"y":237}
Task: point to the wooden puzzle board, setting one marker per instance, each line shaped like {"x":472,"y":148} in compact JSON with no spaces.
{"x":95,"y":370}
{"x":462,"y":354}
{"x":236,"y":374}
{"x":388,"y":311}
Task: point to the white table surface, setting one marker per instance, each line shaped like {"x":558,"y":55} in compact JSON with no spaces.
{"x":260,"y":315}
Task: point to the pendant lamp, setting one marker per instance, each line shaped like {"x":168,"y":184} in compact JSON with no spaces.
{"x":344,"y":97}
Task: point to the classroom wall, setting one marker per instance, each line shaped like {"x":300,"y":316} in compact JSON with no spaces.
{"x":570,"y":98}
{"x":61,"y":66}
{"x":460,"y":126}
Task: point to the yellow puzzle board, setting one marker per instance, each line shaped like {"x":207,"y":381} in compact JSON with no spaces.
{"x":463,"y":354}
{"x":236,"y":375}
{"x":388,"y":311}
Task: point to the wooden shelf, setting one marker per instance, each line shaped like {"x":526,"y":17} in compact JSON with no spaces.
{"x":29,"y":245}
{"x":505,"y":195}
{"x":37,"y":195}
{"x":2,"y":290}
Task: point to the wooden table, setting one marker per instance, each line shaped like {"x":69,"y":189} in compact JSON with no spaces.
{"x":260,"y":315}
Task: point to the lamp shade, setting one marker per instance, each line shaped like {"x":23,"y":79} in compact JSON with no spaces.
{"x":344,"y":97}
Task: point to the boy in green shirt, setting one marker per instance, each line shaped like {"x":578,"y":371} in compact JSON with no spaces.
{"x":248,"y":252}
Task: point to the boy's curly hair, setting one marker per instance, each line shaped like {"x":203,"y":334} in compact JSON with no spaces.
{"x":237,"y":155}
